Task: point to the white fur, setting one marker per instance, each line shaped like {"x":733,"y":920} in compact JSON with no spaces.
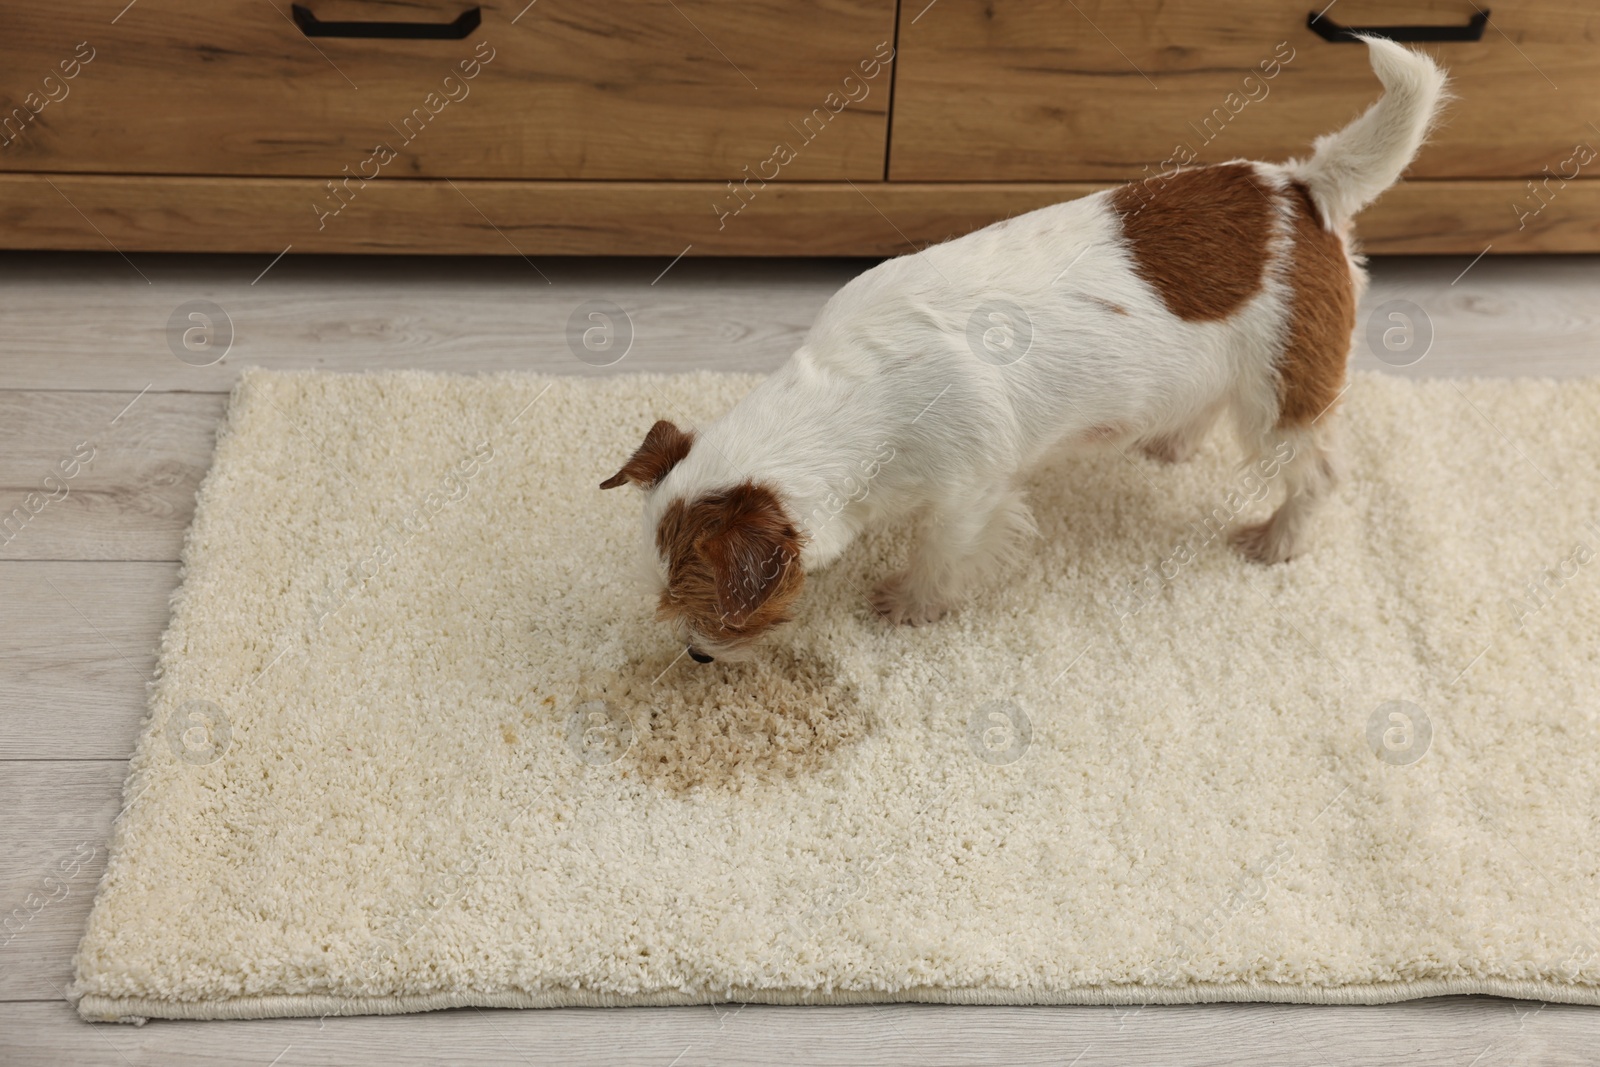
{"x":1348,"y":169}
{"x":887,"y":370}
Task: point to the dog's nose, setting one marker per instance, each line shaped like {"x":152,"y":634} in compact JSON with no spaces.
{"x":698,"y":656}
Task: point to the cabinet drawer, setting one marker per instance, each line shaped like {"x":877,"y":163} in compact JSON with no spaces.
{"x":1051,"y":90}
{"x":693,"y":89}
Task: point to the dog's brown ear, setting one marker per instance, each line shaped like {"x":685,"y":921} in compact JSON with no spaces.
{"x":755,"y":556}
{"x":664,"y":446}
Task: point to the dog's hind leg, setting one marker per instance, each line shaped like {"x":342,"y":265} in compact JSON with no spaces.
{"x":964,"y":539}
{"x":1286,"y":413}
{"x":1178,"y":443}
{"x":1304,"y":461}
{"x":1286,"y":423}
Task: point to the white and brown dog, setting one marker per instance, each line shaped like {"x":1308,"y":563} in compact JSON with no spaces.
{"x":1137,"y":315}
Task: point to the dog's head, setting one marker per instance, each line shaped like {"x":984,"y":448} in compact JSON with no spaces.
{"x":727,"y":560}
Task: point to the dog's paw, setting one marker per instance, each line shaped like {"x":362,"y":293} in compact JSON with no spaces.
{"x":1260,"y":543}
{"x":894,"y":600}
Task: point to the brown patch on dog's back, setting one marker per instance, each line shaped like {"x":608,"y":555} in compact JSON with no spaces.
{"x":1322,"y":316}
{"x":728,"y":724}
{"x":1199,"y":238}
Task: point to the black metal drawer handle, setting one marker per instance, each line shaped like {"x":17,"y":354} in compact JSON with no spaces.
{"x":312,"y":26}
{"x":1329,"y":30}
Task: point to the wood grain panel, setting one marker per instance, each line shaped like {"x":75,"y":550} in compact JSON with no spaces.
{"x":558,"y":89}
{"x":272,"y":215}
{"x":73,"y":318}
{"x":1501,"y":315}
{"x":80,"y":643}
{"x":53,"y":839}
{"x":1050,"y":90}
{"x":87,"y":475}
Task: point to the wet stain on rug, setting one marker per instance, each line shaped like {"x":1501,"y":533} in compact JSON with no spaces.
{"x":683,"y":726}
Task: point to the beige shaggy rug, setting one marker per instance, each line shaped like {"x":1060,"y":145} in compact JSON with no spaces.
{"x":416,"y":742}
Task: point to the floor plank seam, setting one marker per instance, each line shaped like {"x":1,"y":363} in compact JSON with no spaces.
{"x":64,"y":759}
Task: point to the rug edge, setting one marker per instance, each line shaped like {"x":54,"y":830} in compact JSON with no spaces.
{"x":96,"y":1008}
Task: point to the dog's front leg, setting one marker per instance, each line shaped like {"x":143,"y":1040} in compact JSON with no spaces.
{"x":964,"y":538}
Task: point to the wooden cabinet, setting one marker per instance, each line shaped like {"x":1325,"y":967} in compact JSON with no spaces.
{"x":693,"y":89}
{"x":1050,"y":89}
{"x":750,"y":127}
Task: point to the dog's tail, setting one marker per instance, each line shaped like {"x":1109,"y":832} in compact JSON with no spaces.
{"x":1348,"y":169}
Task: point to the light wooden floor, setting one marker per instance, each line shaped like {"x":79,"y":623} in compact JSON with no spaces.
{"x":85,"y":357}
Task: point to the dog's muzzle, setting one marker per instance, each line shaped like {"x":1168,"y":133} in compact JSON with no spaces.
{"x":698,"y":656}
